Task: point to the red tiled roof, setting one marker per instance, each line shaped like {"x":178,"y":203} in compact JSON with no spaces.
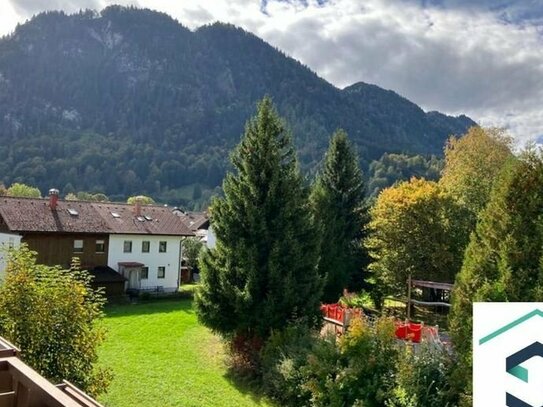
{"x":35,"y":215}
{"x":194,"y":220}
{"x":154,"y":220}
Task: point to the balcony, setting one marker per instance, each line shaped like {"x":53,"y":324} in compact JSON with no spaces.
{"x":21,"y":386}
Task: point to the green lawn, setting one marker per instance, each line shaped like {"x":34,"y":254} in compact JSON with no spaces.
{"x":161,"y":356}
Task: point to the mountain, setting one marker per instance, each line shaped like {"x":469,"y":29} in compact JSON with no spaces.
{"x":130,"y":101}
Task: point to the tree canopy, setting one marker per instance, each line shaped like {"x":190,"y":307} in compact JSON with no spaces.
{"x":141,"y":199}
{"x":51,"y":314}
{"x":337,"y":201}
{"x":503,"y":260}
{"x":392,"y":168}
{"x":23,"y":191}
{"x":262,"y":273}
{"x":472,"y":164}
{"x":415,"y":229}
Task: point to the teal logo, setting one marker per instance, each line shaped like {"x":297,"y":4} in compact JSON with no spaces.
{"x":513,"y":362}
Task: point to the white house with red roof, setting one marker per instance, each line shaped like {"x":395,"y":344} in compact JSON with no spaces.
{"x":127,"y":247}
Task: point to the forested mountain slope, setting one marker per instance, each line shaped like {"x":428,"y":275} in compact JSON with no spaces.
{"x":129,"y":101}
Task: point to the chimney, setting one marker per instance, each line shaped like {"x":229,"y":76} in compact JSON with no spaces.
{"x":53,"y":198}
{"x":137,"y":207}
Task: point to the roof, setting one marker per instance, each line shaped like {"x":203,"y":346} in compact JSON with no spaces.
{"x":35,"y":215}
{"x":154,"y":220}
{"x":131,"y":264}
{"x":194,"y":220}
{"x":105,"y":274}
{"x":432,"y":284}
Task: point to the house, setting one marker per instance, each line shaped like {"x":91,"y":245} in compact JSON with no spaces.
{"x":199,"y":223}
{"x":145,"y":244}
{"x":57,"y":230}
{"x":124,"y":246}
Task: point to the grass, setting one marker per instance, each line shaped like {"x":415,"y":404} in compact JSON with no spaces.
{"x":162,"y":356}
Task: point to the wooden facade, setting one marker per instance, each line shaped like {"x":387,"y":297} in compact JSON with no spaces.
{"x":58,"y":249}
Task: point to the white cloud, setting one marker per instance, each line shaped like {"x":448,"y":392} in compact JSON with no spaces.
{"x":481,"y":58}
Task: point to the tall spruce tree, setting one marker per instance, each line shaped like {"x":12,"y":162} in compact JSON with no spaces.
{"x":503,"y":260}
{"x":262,"y":273}
{"x":337,"y":202}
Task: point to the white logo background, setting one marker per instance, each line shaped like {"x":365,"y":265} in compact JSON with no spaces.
{"x":490,"y":379}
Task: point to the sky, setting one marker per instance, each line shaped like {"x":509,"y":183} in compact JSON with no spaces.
{"x":483,"y":58}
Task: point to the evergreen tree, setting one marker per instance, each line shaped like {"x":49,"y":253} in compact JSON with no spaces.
{"x":262,"y":273}
{"x":337,"y":201}
{"x":503,"y":260}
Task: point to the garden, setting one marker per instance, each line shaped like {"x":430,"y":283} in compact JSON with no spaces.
{"x":161,"y":356}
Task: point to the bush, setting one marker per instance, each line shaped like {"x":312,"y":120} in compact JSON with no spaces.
{"x":51,"y":314}
{"x":423,"y":378}
{"x":284,"y":356}
{"x":301,"y":368}
{"x":366,"y":367}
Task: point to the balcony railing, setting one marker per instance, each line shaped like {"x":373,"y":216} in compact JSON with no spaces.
{"x":21,"y":386}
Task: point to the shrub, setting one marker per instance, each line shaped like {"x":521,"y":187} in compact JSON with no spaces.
{"x":358,"y":369}
{"x":366,"y":367}
{"x":51,"y":315}
{"x":284,"y":356}
{"x":422,"y":378}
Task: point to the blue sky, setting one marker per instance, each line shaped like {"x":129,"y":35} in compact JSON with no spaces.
{"x":483,"y":58}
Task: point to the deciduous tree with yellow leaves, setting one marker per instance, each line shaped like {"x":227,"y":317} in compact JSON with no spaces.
{"x":416,"y":229}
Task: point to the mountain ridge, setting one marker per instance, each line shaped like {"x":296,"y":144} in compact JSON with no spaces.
{"x":83,"y":96}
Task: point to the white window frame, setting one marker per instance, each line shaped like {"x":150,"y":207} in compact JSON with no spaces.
{"x":78,"y":248}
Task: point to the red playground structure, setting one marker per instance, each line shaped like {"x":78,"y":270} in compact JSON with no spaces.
{"x":340,"y":317}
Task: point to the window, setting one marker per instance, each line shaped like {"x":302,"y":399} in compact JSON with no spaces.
{"x":161,"y":272}
{"x":145,"y":246}
{"x":144,"y":273}
{"x":162,"y":247}
{"x":127,"y":246}
{"x":78,"y":246}
{"x":100,"y":246}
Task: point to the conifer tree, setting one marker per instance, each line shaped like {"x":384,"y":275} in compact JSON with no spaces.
{"x":337,"y":201}
{"x":262,"y":273}
{"x":503,"y":260}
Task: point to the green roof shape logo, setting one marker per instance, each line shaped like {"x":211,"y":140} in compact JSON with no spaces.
{"x":511,"y":325}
